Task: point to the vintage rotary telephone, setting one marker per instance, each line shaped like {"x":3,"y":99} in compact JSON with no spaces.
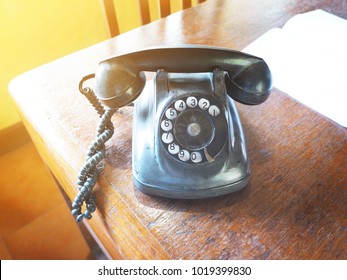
{"x":187,"y":137}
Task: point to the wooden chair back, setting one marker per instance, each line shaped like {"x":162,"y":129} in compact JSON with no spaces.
{"x":164,"y":9}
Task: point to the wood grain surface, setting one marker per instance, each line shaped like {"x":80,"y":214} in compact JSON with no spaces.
{"x":295,"y":204}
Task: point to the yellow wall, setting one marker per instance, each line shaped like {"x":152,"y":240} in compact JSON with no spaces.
{"x":34,"y":32}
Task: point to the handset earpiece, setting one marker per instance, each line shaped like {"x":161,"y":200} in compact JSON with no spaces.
{"x":117,"y":84}
{"x":252,"y":85}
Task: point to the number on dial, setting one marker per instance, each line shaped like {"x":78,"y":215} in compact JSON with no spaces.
{"x":196,"y":157}
{"x":166,"y":125}
{"x":167,"y":137}
{"x":184,"y":155}
{"x":192,"y":102}
{"x":214,"y":111}
{"x":204,"y":104}
{"x":180,"y":105}
{"x":173,"y":148}
{"x":171,"y":113}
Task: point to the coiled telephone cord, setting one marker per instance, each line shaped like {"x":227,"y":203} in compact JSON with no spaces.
{"x":89,"y":173}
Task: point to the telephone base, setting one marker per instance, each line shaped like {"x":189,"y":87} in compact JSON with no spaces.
{"x":193,"y":193}
{"x":188,"y":141}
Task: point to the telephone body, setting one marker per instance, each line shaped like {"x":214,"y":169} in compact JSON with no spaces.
{"x":187,"y":136}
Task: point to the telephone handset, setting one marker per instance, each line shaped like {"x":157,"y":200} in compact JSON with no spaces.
{"x":187,"y":137}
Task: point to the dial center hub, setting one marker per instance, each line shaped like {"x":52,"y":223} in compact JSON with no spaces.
{"x":194,"y":129}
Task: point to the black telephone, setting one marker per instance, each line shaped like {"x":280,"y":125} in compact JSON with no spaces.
{"x":187,"y":137}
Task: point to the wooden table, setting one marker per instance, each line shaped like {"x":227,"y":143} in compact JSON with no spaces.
{"x":295,"y":204}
